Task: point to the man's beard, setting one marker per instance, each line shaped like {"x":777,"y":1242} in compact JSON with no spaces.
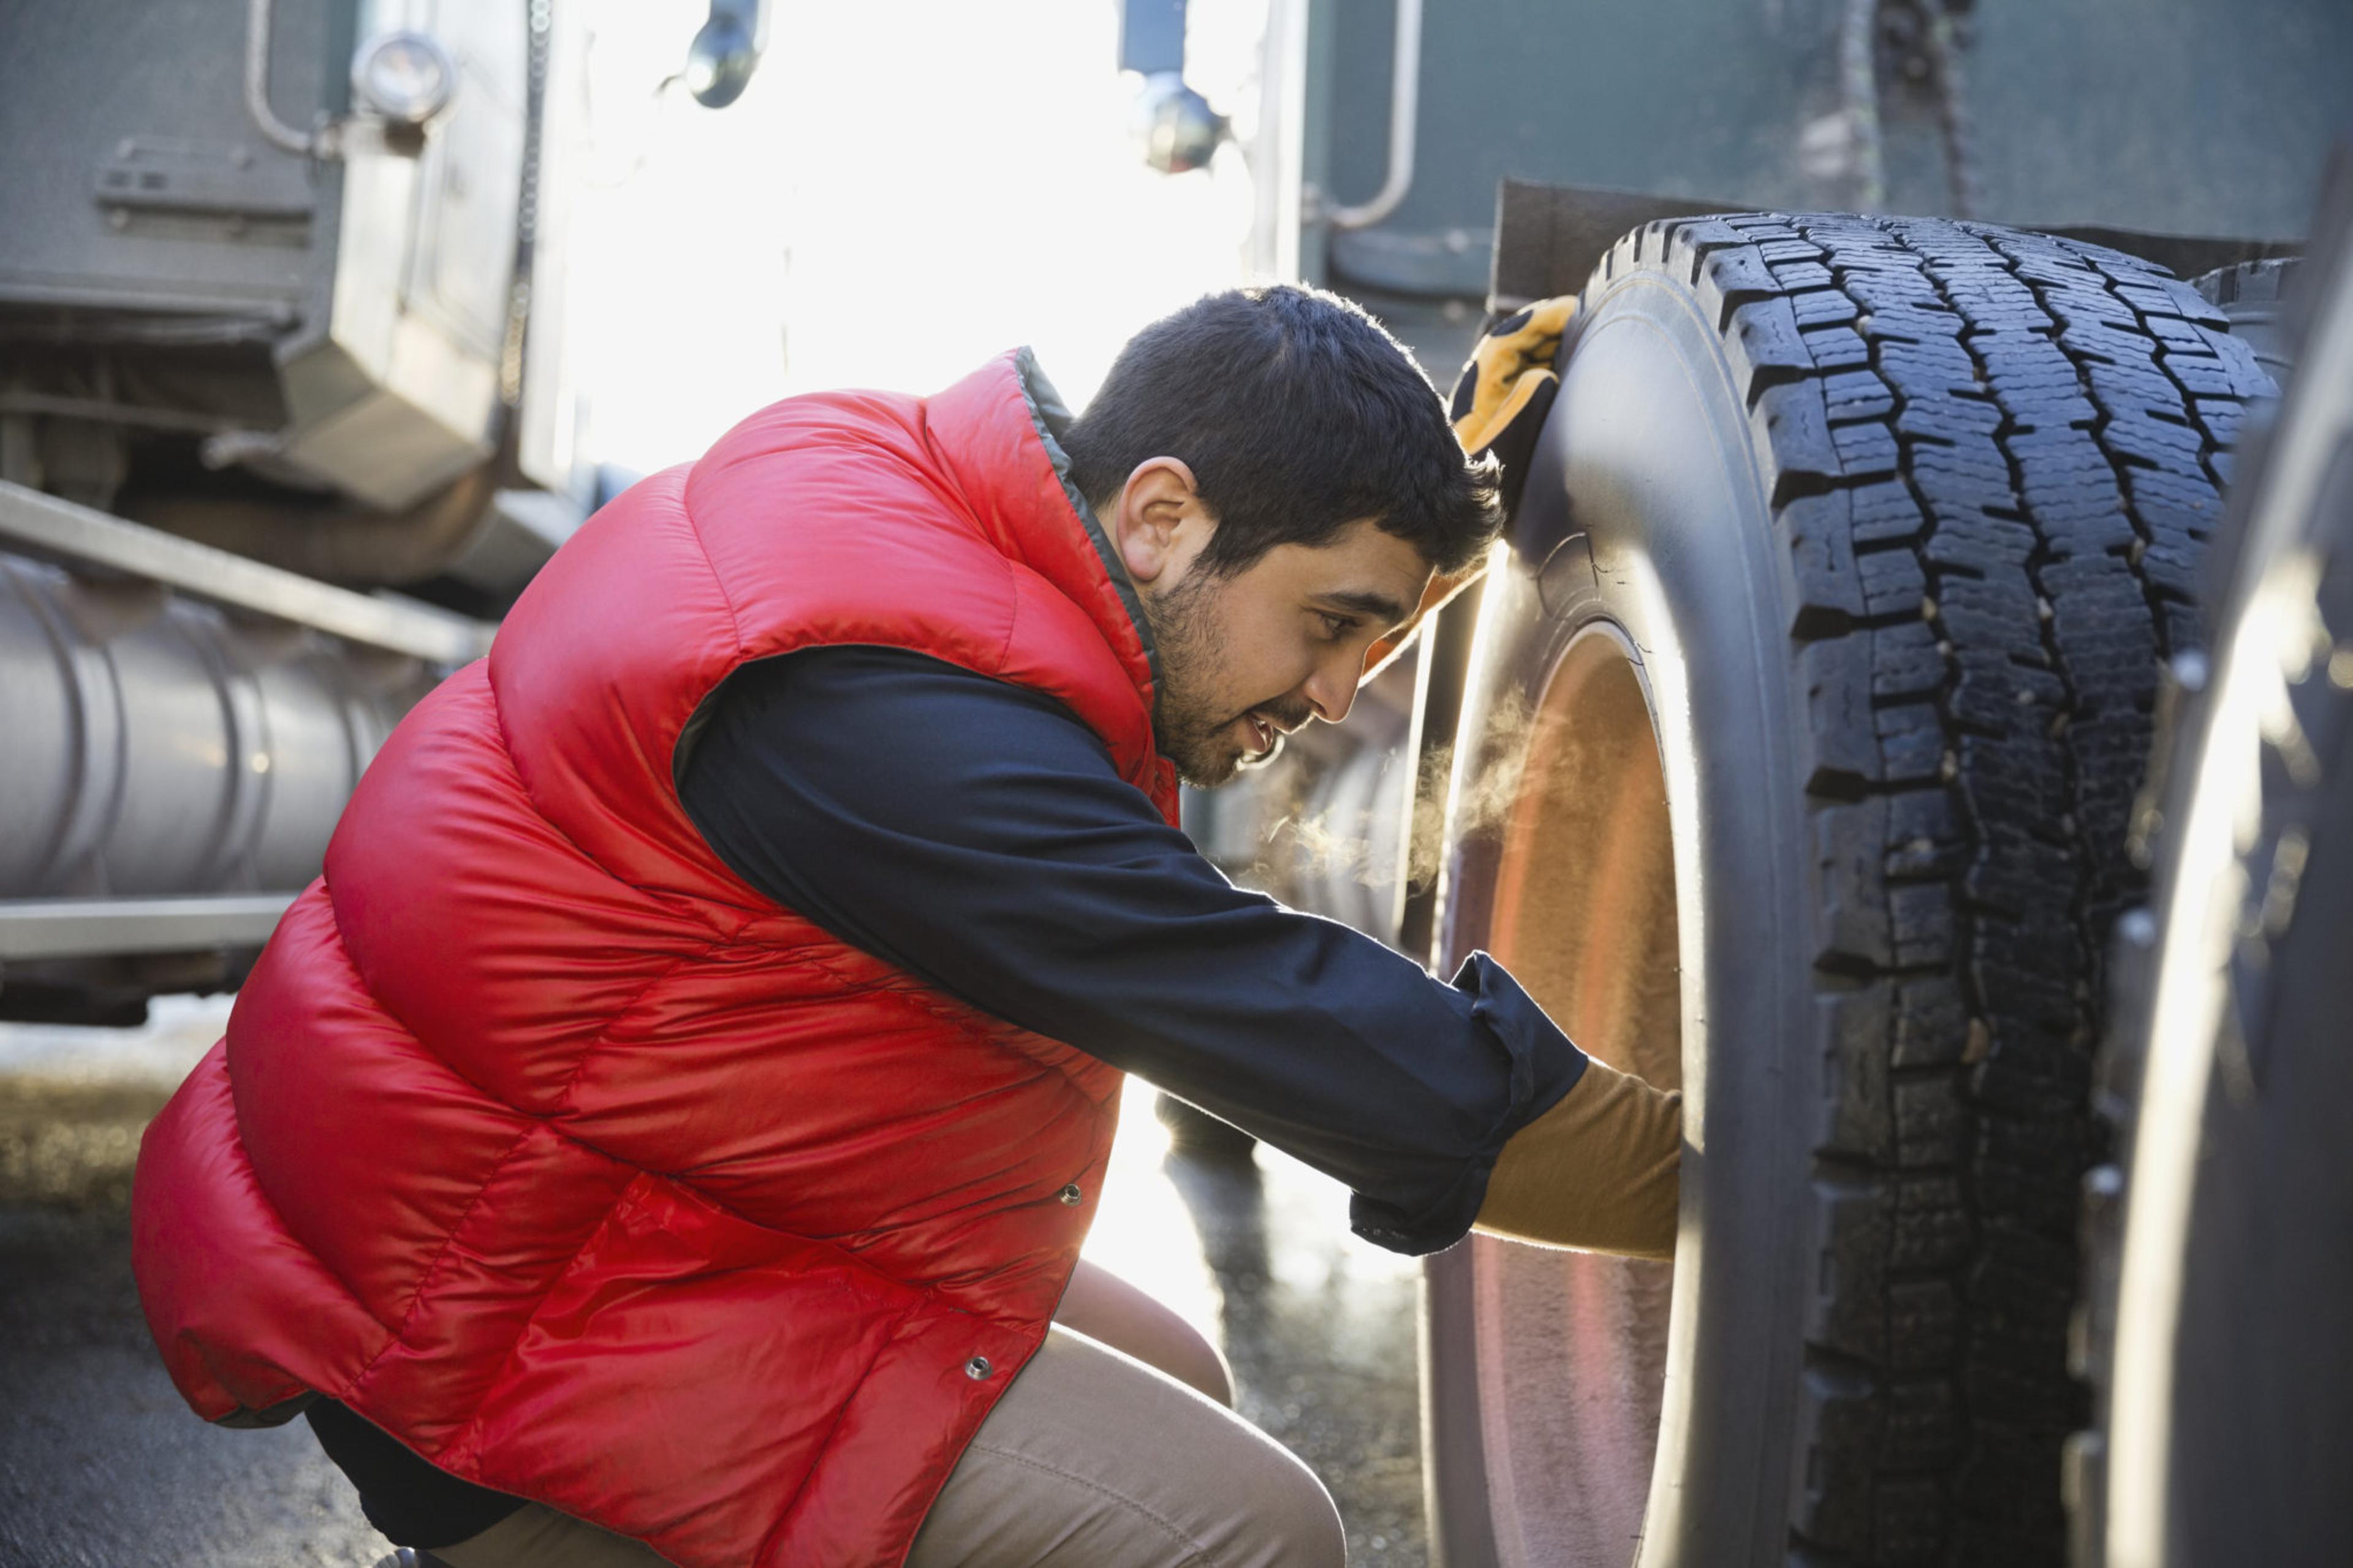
{"x":1189,"y":724}
{"x":1185,"y":725}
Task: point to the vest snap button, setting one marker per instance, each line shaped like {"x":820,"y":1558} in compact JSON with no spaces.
{"x":977,"y":1368}
{"x":1070,"y":1193}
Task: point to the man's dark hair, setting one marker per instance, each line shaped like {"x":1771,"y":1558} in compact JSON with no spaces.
{"x":1298,"y":414}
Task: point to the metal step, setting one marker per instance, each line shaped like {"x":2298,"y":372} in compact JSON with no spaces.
{"x":82,"y":928}
{"x":80,"y":536}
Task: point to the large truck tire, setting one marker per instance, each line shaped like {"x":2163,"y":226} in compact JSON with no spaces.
{"x":1809,"y":704}
{"x":2222,"y":1241}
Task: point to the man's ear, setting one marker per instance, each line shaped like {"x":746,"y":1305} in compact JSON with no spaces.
{"x":1159,"y":523}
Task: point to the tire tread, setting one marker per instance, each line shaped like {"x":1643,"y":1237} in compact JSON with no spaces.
{"x":1995,"y":459}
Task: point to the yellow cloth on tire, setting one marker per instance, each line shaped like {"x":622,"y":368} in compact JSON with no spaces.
{"x":1500,"y":402}
{"x":1598,"y":1171}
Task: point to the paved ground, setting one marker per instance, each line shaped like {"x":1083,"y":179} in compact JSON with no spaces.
{"x":102,"y":1467}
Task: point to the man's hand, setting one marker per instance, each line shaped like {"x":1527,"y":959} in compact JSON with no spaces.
{"x":1597,"y":1172}
{"x":1500,"y":402}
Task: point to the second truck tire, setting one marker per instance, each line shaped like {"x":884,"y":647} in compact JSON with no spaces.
{"x":1804,"y":728}
{"x":2221,"y":1239}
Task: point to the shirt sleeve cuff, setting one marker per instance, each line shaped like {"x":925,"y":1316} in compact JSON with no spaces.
{"x":1543,"y":1066}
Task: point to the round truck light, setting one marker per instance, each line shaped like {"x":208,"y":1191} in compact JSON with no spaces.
{"x":405,"y":76}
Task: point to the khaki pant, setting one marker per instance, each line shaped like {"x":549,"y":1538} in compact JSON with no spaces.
{"x":1098,"y":1456}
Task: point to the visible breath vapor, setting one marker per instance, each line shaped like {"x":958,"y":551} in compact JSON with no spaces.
{"x":1299,"y":845}
{"x":1341,"y":842}
{"x":1485,"y":798}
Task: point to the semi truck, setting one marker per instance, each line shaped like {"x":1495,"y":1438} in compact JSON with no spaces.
{"x":1919,"y":472}
{"x":286,"y":419}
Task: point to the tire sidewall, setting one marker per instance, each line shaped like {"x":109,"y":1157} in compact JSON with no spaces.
{"x":1647,"y":513}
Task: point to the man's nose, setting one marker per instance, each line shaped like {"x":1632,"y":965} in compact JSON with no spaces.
{"x":1332,"y":689}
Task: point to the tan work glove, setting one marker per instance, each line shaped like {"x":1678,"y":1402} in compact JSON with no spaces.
{"x":1597,"y":1172}
{"x":1500,"y":396}
{"x":1500,"y":402}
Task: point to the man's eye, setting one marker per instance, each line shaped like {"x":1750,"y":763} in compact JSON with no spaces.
{"x":1334,"y":626}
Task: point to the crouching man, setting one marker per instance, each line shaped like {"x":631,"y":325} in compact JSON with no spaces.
{"x":667,"y":1131}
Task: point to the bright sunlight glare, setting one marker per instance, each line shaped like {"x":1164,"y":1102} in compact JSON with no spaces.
{"x":907,"y":188}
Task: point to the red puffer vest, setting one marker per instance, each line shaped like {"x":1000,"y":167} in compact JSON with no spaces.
{"x":545,"y":1143}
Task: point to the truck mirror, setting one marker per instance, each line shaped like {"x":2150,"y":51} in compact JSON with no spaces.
{"x":720,"y":61}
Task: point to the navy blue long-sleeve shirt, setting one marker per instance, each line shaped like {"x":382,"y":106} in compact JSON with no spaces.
{"x":976,"y":834}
